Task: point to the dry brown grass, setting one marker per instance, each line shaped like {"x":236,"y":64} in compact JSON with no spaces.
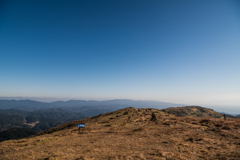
{"x":131,"y":135}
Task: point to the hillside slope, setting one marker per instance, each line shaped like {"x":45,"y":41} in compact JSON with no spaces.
{"x":132,"y":134}
{"x":192,"y":111}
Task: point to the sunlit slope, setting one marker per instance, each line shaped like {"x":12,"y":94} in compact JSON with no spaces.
{"x":132,"y":134}
{"x":192,"y":111}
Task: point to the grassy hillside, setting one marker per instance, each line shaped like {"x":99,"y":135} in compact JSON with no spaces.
{"x":192,"y":111}
{"x":132,"y":134}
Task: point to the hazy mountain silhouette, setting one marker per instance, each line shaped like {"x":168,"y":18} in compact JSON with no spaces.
{"x":29,"y":105}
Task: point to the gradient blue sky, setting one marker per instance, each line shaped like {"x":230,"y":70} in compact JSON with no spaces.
{"x":175,"y":51}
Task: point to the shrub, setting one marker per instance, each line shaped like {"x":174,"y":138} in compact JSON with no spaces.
{"x":153,"y":117}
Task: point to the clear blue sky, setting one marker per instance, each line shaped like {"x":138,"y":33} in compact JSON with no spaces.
{"x":175,"y":51}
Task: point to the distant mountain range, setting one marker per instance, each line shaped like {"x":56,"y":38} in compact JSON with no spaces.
{"x":30,"y":105}
{"x":56,"y":113}
{"x":40,"y":99}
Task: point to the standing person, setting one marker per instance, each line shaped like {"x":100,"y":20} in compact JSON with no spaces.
{"x":224,"y":117}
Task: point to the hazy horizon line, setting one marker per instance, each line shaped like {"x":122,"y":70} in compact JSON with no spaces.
{"x":69,"y":99}
{"x":53,"y":99}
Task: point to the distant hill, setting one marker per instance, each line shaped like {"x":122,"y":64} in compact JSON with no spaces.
{"x":192,"y":111}
{"x":93,"y":108}
{"x":92,"y":111}
{"x":117,"y":103}
{"x":10,"y":121}
{"x":40,"y":99}
{"x":237,"y":116}
{"x":36,"y":120}
{"x":15,"y":133}
{"x":58,"y":113}
{"x":26,"y":105}
{"x":29,"y":122}
{"x":46,"y":123}
{"x":14,"y":112}
{"x":74,"y":105}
